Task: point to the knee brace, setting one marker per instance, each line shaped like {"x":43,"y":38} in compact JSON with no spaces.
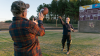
{"x":69,"y":42}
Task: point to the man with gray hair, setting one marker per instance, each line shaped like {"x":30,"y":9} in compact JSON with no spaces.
{"x":24,"y":32}
{"x":67,"y":28}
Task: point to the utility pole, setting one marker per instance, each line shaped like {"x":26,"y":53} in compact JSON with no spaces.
{"x":56,"y":13}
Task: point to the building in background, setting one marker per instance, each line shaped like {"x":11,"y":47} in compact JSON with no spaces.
{"x":89,"y":18}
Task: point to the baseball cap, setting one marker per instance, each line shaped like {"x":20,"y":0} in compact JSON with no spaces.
{"x":19,"y":6}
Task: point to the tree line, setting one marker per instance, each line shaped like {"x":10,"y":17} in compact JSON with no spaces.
{"x":65,"y":9}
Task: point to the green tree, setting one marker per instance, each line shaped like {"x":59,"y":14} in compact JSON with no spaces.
{"x":31,"y":18}
{"x":8,"y":21}
{"x":54,"y":6}
{"x":65,"y":8}
{"x":39,"y":8}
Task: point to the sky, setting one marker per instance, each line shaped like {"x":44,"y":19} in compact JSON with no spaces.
{"x":5,"y":6}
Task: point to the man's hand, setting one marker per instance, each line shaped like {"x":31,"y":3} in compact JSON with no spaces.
{"x":40,"y":16}
{"x":35,"y":21}
{"x":72,"y":30}
{"x":60,"y":17}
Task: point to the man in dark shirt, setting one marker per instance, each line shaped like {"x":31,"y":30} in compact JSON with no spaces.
{"x":67,"y":28}
{"x":24,"y":32}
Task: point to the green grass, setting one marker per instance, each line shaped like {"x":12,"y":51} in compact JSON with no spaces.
{"x":83,"y":44}
{"x":59,"y":25}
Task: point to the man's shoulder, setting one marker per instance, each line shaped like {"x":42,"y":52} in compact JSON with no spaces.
{"x":70,"y":24}
{"x":31,"y":24}
{"x":27,"y":22}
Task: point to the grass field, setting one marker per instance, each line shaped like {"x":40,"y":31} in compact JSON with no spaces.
{"x":83,"y":44}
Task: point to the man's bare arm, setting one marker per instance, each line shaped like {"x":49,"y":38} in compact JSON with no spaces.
{"x":62,"y":22}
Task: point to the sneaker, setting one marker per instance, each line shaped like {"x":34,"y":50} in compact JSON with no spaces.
{"x":70,"y":41}
{"x":62,"y":49}
{"x":67,"y":52}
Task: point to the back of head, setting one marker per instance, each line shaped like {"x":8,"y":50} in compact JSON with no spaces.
{"x":18,"y":7}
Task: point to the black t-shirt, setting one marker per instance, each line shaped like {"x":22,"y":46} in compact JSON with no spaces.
{"x":66,"y":28}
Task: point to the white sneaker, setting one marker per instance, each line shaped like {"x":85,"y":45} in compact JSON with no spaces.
{"x":67,"y":52}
